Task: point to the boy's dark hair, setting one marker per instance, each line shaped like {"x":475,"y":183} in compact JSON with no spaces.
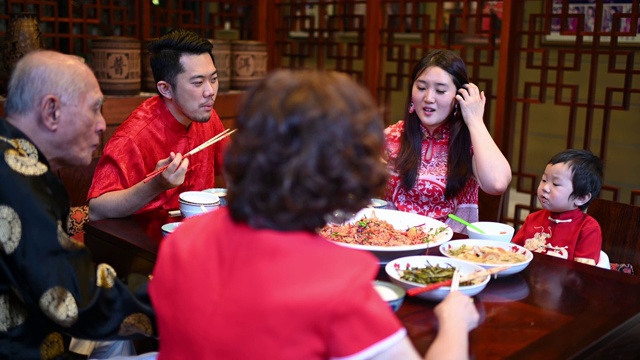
{"x":586,"y":171}
{"x":167,"y":50}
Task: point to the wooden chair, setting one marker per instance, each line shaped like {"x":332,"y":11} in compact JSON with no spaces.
{"x":620,"y":225}
{"x":489,"y":206}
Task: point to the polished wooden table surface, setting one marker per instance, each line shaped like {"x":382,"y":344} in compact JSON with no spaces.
{"x":554,"y":309}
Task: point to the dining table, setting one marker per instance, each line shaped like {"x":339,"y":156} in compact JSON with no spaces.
{"x":553,"y":309}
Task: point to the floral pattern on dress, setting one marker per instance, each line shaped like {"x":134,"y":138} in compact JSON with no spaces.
{"x":428,"y":195}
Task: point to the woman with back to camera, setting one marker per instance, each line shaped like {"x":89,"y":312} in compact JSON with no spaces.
{"x":442,"y":152}
{"x":254,"y":279}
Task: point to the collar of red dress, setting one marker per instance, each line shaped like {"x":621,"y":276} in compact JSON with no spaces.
{"x":565,"y":217}
{"x":439,"y":133}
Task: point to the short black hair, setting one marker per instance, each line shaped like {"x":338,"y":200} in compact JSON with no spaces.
{"x":586,"y":170}
{"x":167,"y":50}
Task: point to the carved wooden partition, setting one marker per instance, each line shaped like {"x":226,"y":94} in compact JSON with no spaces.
{"x":557,"y":74}
{"x":571,"y":81}
{"x":69,"y":25}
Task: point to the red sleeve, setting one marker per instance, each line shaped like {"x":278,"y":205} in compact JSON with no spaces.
{"x":120,"y":167}
{"x":589,"y":241}
{"x":519,"y":237}
{"x":367,"y":319}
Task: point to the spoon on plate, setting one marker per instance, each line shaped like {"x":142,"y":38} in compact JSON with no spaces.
{"x":464,"y":222}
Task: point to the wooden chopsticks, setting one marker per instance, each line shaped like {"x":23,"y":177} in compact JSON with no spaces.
{"x":476,"y":275}
{"x":455,"y":280}
{"x":199,"y":148}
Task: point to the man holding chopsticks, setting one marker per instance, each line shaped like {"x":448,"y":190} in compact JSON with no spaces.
{"x":160,"y":132}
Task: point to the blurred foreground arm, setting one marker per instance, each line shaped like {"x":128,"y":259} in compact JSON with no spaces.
{"x":457,"y":315}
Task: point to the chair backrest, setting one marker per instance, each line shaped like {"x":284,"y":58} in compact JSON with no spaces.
{"x":620,"y":225}
{"x":604,"y":261}
{"x":489,"y":206}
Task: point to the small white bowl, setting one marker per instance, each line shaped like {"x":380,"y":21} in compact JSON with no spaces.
{"x":187,"y":213}
{"x":194,"y":203}
{"x":391,"y":293}
{"x":198,"y":198}
{"x":510,"y":247}
{"x":492,"y":231}
{"x":421,"y":261}
{"x":378,"y":203}
{"x":168,"y":228}
{"x":221,"y":193}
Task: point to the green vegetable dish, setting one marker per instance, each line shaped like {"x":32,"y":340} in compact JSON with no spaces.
{"x":430,"y":274}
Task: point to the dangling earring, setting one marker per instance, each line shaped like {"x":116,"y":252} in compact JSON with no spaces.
{"x":455,"y":110}
{"x":411,"y":108}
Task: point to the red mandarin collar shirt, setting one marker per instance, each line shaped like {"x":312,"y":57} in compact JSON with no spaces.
{"x":148,"y":135}
{"x":571,"y":235}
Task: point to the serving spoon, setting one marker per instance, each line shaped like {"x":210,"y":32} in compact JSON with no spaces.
{"x":464,"y":222}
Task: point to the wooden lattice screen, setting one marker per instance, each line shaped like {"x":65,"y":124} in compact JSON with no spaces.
{"x":552,"y":79}
{"x":68,"y":26}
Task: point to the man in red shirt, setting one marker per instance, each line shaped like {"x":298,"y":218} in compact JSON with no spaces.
{"x":172,"y":123}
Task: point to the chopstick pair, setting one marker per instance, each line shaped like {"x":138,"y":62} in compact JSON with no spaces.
{"x":455,"y":281}
{"x":479,"y":274}
{"x":200,"y":147}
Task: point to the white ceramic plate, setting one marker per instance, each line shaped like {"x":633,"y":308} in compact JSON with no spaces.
{"x":513,"y":268}
{"x":400,"y":221}
{"x":422,"y":261}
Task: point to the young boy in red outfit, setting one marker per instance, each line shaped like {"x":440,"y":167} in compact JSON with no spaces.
{"x":570,"y":182}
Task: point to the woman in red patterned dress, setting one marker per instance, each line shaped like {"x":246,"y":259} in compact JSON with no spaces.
{"x":442,"y":153}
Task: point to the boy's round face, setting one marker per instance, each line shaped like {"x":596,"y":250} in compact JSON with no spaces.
{"x":556,"y":186}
